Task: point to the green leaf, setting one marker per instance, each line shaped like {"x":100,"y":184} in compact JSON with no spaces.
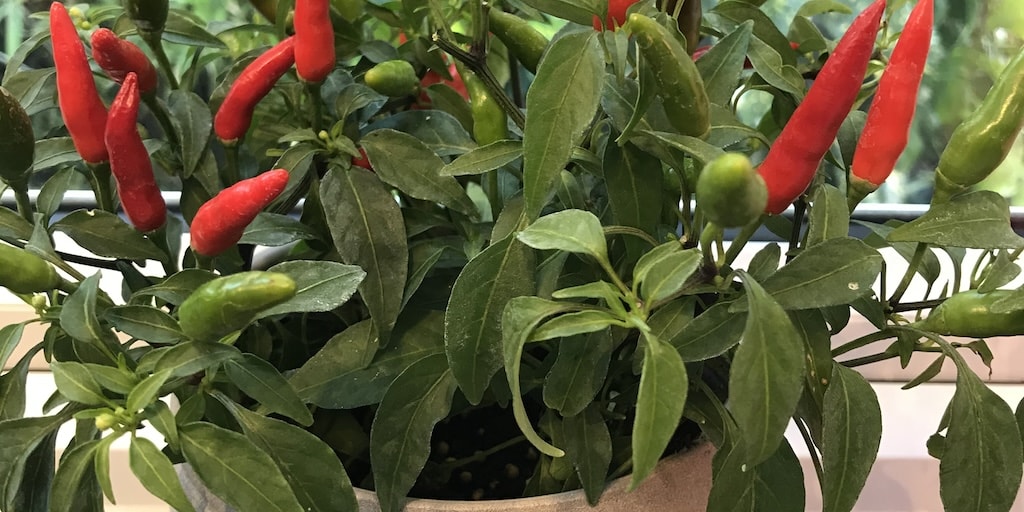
{"x":982,"y":462}
{"x":145,"y":323}
{"x":721,"y":66}
{"x":979,"y":220}
{"x":177,"y":287}
{"x":573,"y":10}
{"x":101,"y":467}
{"x":18,"y":438}
{"x":765,"y":262}
{"x":34,"y":493}
{"x":400,"y":436}
{"x":562,"y":102}
{"x":520,"y":317}
{"x":852,"y":430}
{"x":10,"y":337}
{"x":588,"y":445}
{"x":659,"y":406}
{"x":664,"y":270}
{"x":105,"y":234}
{"x":275,"y":230}
{"x":261,"y":381}
{"x":472,"y":325}
{"x":764,"y":28}
{"x":321,"y":286}
{"x":156,"y":473}
{"x":1001,"y":272}
{"x":160,"y":416}
{"x":310,"y":466}
{"x":146,"y":392}
{"x":702,"y":151}
{"x":830,"y":215}
{"x":402,"y":161}
{"x":368,"y":230}
{"x":575,"y":231}
{"x":13,"y":390}
{"x":440,"y":131}
{"x":190,"y":116}
{"x":193,"y":357}
{"x":580,"y":322}
{"x":52,"y":192}
{"x":769,"y":62}
{"x":76,"y":383}
{"x":235,"y":469}
{"x":485,"y":158}
{"x":832,"y":273}
{"x":766,"y":378}
{"x":579,"y":372}
{"x":776,"y":485}
{"x":54,"y":151}
{"x":13,"y":225}
{"x":709,"y":334}
{"x":633,"y":179}
{"x":78,"y":316}
{"x":74,"y":473}
{"x":182,"y":30}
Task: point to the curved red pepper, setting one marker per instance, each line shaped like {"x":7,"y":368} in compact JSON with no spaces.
{"x":794,"y":157}
{"x":80,"y":103}
{"x":314,"y":40}
{"x":220,"y":222}
{"x":118,"y":57}
{"x":888,"y":123}
{"x":130,"y":163}
{"x":252,"y":85}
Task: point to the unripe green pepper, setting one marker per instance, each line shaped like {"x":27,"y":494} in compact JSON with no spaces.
{"x":730,"y":192}
{"x":394,"y":78}
{"x":24,"y":272}
{"x":680,"y":84}
{"x":490,"y":123}
{"x":227,"y":304}
{"x":982,"y":141}
{"x":149,"y":16}
{"x":524,"y":42}
{"x":970,"y":314}
{"x":17,"y":141}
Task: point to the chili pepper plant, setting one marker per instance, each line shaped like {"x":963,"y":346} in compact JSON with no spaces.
{"x":417,"y":259}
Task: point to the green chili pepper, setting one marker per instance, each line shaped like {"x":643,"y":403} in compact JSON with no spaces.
{"x":490,"y":123}
{"x":730,"y":192}
{"x":228,"y":304}
{"x":680,"y":85}
{"x":149,"y":16}
{"x":524,"y":42}
{"x":17,"y":141}
{"x":970,"y":314}
{"x":395,"y":78}
{"x":24,"y":272}
{"x":984,"y":139}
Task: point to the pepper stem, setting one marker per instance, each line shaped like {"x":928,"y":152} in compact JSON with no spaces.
{"x":23,"y":200}
{"x":316,"y":103}
{"x":99,"y":178}
{"x":162,"y":116}
{"x":478,"y":65}
{"x":156,"y":44}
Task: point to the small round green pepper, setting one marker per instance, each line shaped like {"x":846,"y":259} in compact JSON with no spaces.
{"x":394,"y":78}
{"x":730,"y":192}
{"x":228,"y":304}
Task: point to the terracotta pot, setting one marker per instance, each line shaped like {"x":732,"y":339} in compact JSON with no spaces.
{"x":680,"y":483}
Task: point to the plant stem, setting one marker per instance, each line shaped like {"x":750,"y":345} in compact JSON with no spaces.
{"x":478,"y":65}
{"x":99,"y":178}
{"x":482,"y":455}
{"x":155,"y":43}
{"x":799,"y":208}
{"x":914,"y":306}
{"x":231,"y":173}
{"x":493,"y":195}
{"x":741,"y":239}
{"x":24,"y":202}
{"x":915,"y":262}
{"x":627,"y":230}
{"x":861,"y":342}
{"x":811,"y":449}
{"x":316,"y":100}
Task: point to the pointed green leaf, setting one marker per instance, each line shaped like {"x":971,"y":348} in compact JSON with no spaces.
{"x":261,"y":381}
{"x":34,"y":493}
{"x":979,"y":220}
{"x":562,"y":102}
{"x":146,"y":392}
{"x":580,"y":322}
{"x":320,"y":286}
{"x":78,"y":316}
{"x":472,"y":325}
{"x":400,"y":436}
{"x":575,"y":231}
{"x":721,"y":66}
{"x":631,"y":175}
{"x":830,"y":215}
{"x":156,"y":473}
{"x":74,"y":473}
{"x":145,"y":322}
{"x":193,"y":356}
{"x":485,"y":158}
{"x":710,"y":334}
{"x":588,"y":445}
{"x":852,"y":430}
{"x":578,"y":373}
{"x":105,"y":234}
{"x":659,"y":406}
{"x":77,"y":384}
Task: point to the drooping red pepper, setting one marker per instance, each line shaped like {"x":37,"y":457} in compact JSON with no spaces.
{"x":220,"y":222}
{"x":314,"y":40}
{"x":129,"y":161}
{"x":888,"y":123}
{"x":118,"y":57}
{"x":252,"y":85}
{"x":794,"y":156}
{"x":80,"y":103}
{"x":362,"y":160}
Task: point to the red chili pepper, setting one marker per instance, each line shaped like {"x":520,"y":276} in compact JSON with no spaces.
{"x":616,"y":14}
{"x":794,"y":157}
{"x":80,"y":103}
{"x":129,"y":161}
{"x":362,"y":160}
{"x":252,"y":85}
{"x":118,"y":57}
{"x":314,"y":40}
{"x":220,"y":222}
{"x":888,"y":123}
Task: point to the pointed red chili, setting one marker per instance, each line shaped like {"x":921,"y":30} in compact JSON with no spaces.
{"x":794,"y":156}
{"x":80,"y":103}
{"x":252,"y":85}
{"x":888,"y":123}
{"x":129,"y":161}
{"x":220,"y":222}
{"x":314,"y":40}
{"x":118,"y":57}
